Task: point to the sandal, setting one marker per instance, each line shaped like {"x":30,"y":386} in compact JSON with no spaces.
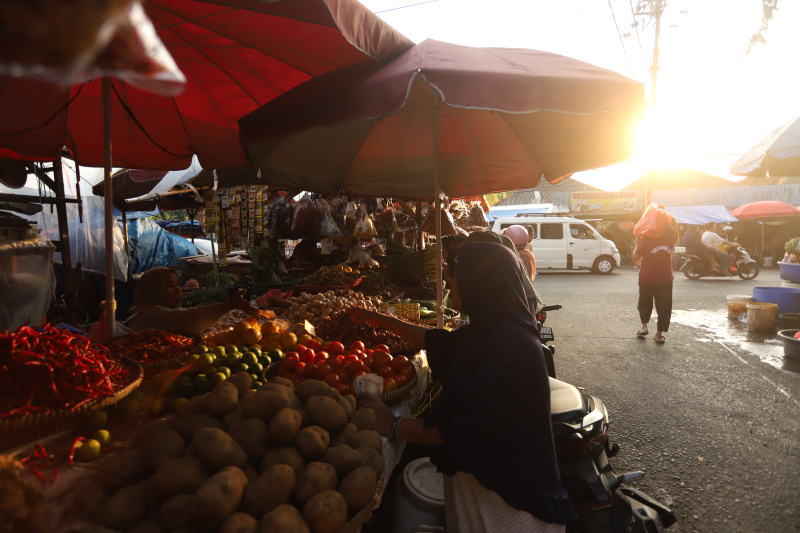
{"x":642,"y":333}
{"x":659,"y":340}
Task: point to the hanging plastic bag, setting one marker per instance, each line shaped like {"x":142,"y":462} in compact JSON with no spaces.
{"x":327,"y":225}
{"x":655,"y":222}
{"x":429,"y":222}
{"x":357,"y":255}
{"x":305,"y":224}
{"x":365,"y":229}
{"x":280,"y":218}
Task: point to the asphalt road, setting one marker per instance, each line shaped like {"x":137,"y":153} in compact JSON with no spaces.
{"x":715,"y":429}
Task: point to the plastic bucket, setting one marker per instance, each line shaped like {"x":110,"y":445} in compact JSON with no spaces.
{"x":420,"y":498}
{"x":768,"y":262}
{"x":790,"y":320}
{"x":788,"y":299}
{"x":791,"y":346}
{"x":737,"y":304}
{"x":761,"y":317}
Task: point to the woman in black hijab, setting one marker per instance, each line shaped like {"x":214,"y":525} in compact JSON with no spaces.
{"x":493,"y":416}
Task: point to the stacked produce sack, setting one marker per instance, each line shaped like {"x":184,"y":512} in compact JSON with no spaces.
{"x":278,"y":459}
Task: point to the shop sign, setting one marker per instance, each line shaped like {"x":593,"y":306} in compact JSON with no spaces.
{"x":603,"y":201}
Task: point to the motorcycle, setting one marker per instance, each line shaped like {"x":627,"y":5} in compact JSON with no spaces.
{"x":600,"y":498}
{"x":580,"y":432}
{"x":739,"y":263}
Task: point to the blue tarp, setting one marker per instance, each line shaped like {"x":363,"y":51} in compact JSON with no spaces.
{"x":151,"y":246}
{"x":701,"y":214}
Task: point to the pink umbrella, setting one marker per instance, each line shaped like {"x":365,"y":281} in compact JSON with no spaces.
{"x":766,"y":209}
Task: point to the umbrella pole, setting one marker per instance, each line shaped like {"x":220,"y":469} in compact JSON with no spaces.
{"x":437,"y":206}
{"x":110,"y":303}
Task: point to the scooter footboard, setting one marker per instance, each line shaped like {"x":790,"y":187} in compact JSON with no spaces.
{"x":648,"y":510}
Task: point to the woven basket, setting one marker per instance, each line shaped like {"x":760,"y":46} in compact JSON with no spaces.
{"x":21,"y":429}
{"x":399,"y":393}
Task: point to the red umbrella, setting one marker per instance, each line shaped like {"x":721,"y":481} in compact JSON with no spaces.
{"x":465,"y":120}
{"x":765,"y":209}
{"x":502,"y":118}
{"x":236,"y":55}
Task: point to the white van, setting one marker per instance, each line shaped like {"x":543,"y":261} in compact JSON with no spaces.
{"x":564,"y":242}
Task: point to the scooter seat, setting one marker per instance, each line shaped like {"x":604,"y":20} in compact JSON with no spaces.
{"x":566,"y":402}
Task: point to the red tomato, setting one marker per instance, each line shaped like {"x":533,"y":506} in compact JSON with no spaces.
{"x":389,"y":385}
{"x":401,"y":381}
{"x":336,"y":348}
{"x":386,"y":372}
{"x":298,"y":368}
{"x":350,"y":357}
{"x":361,"y":356}
{"x":323,"y":369}
{"x":398,"y":363}
{"x":300,"y":349}
{"x":368,"y":351}
{"x":332,"y":380}
{"x":408,"y":372}
{"x":354,"y":375}
{"x":357,"y":345}
{"x":292,"y":355}
{"x":310,"y":370}
{"x":381,"y":347}
{"x":344,"y":377}
{"x":381,"y":359}
{"x":314,"y":344}
{"x":320,"y":356}
{"x":342,"y":388}
{"x":336,"y":361}
{"x":283,"y":373}
{"x":355,"y":366}
{"x":369,"y":361}
{"x":289,"y":364}
{"x":350,"y":390}
{"x":308,"y":356}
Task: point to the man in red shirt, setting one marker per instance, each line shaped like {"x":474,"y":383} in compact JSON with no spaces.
{"x":655,"y":279}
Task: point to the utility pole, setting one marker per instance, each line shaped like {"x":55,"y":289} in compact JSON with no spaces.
{"x":652,"y":9}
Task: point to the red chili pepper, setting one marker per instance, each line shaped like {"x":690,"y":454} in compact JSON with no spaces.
{"x":71,"y":456}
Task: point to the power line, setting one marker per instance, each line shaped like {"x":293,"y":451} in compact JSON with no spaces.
{"x":614,"y":18}
{"x":409,"y":5}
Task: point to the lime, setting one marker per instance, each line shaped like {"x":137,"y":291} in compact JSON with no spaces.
{"x":240,"y":367}
{"x":186,"y":389}
{"x":205,"y":360}
{"x":209,"y":371}
{"x":255,"y":377}
{"x":229,"y":349}
{"x":265,"y":361}
{"x":102,"y":436}
{"x":218,"y":350}
{"x":255,"y":368}
{"x":233,"y":359}
{"x":179,"y":402}
{"x":224,"y":370}
{"x":275,"y":355}
{"x":256,"y":385}
{"x":249,"y":358}
{"x":203,"y":385}
{"x":220,"y":361}
{"x":201,"y":349}
{"x":256,"y":350}
{"x":97,"y":420}
{"x":192,"y":359}
{"x":219,"y":377}
{"x":88,"y":450}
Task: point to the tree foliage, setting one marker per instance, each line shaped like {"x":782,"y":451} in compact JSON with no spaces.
{"x":768,"y":8}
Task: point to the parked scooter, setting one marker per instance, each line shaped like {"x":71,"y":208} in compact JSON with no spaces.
{"x":739,"y":263}
{"x":580,"y":432}
{"x":600,"y":497}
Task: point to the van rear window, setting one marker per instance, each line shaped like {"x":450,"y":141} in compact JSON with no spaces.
{"x":552,"y":231}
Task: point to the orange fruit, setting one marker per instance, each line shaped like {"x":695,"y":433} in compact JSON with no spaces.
{"x":288,"y":341}
{"x":253,"y":321}
{"x":240,"y":327}
{"x":251,"y":336}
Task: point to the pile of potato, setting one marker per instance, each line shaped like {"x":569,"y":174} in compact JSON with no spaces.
{"x":279,"y":459}
{"x":316,"y":308}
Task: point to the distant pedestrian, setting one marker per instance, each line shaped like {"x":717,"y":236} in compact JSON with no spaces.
{"x":655,"y":280}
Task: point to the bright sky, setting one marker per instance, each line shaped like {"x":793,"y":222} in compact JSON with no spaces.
{"x":714,"y":103}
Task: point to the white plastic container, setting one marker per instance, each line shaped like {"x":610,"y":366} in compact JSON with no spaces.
{"x":419,"y":499}
{"x":737,"y":304}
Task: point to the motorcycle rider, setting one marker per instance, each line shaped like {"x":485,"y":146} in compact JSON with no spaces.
{"x":711,"y":239}
{"x":694,"y":245}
